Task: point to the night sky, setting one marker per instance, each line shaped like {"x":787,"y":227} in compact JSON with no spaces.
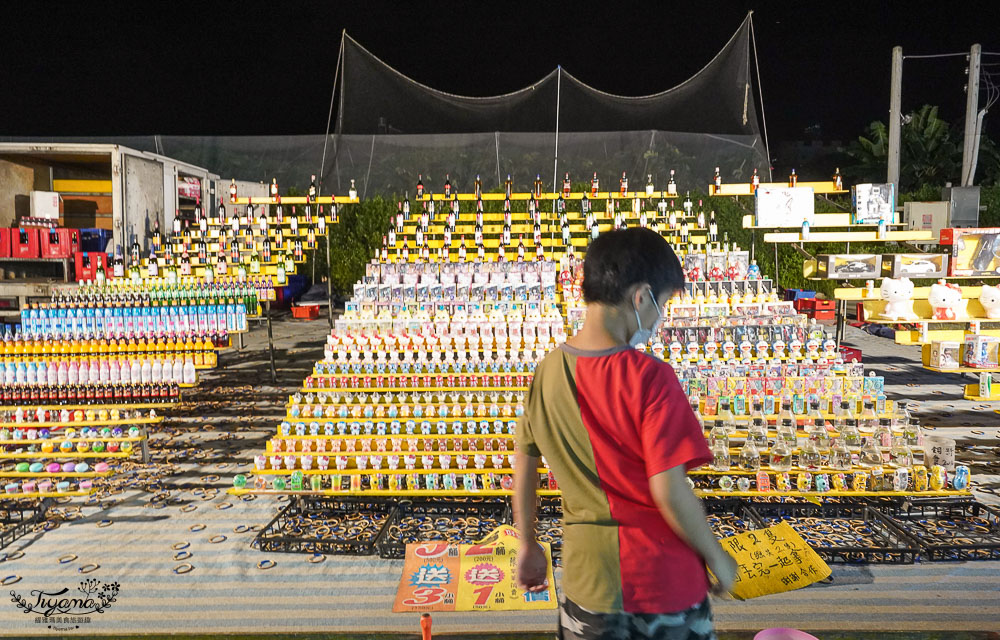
{"x":248,"y":68}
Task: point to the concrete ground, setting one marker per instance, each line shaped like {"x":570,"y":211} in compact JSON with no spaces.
{"x":135,"y":534}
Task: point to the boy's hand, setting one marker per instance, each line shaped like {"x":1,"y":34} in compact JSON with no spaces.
{"x":532,"y":568}
{"x":723,"y":566}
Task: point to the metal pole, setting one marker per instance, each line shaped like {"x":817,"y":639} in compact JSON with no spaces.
{"x":895,"y":116}
{"x":270,"y":340}
{"x":971,"y":142}
{"x":329,"y":278}
{"x":555,"y":159}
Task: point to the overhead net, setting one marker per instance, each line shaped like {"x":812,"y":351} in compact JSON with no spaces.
{"x":389,"y":128}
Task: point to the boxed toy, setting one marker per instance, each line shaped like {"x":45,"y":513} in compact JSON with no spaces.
{"x":783,"y":206}
{"x":981,"y":351}
{"x":945,"y":354}
{"x":973,"y":251}
{"x":848,"y":266}
{"x":873,"y":203}
{"x":915,"y":265}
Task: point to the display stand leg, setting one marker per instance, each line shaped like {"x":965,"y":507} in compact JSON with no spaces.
{"x":240,"y":340}
{"x":776,"y":283}
{"x":329,"y":280}
{"x":841,"y":321}
{"x":145,"y":446}
{"x":753,"y":244}
{"x":270,"y":341}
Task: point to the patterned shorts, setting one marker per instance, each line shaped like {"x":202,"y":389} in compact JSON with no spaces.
{"x":577,"y":623}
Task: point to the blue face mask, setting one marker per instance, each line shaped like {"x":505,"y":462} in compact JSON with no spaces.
{"x":643,"y":335}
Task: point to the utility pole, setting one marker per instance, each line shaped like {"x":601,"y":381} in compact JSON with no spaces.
{"x":971,"y":142}
{"x":895,"y":116}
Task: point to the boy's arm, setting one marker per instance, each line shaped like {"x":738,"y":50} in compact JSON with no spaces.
{"x":683,"y":512}
{"x":532,"y":567}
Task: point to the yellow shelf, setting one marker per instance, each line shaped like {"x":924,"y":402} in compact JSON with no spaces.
{"x":819,"y":221}
{"x":400,"y":493}
{"x":47,"y":494}
{"x":74,"y":440}
{"x":438,"y":390}
{"x":81,"y":423}
{"x":547,"y":492}
{"x":745,"y":189}
{"x":416,"y":436}
{"x":58,"y":454}
{"x":283,"y":200}
{"x":395,"y":472}
{"x":972,"y":393}
{"x":857,"y":294}
{"x":718,"y":493}
{"x":939,"y":335}
{"x":432,"y":419}
{"x":95,"y":407}
{"x":58,"y":474}
{"x":82,"y":186}
{"x":855,"y":236}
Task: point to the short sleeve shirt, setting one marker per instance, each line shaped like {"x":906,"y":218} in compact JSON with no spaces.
{"x":607,"y":421}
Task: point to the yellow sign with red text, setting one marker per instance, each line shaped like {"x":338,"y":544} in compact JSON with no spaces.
{"x":438,"y":576}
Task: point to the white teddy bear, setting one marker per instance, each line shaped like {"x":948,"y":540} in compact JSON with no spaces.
{"x":989,"y":297}
{"x":946,"y":301}
{"x":898,"y":296}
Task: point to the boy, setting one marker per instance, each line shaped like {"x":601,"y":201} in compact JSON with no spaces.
{"x":617,"y":431}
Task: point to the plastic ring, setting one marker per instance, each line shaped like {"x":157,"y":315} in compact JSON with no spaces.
{"x":182,"y":555}
{"x":266,"y":564}
{"x":316,"y":558}
{"x":217,"y":539}
{"x":222,"y":506}
{"x":195,"y":528}
{"x":181,"y":569}
{"x":105,"y":523}
{"x":89,"y":568}
{"x":188,"y":508}
{"x":70,"y":557}
{"x":178,"y":546}
{"x":10,"y":580}
{"x":242,"y":528}
{"x":13,"y":555}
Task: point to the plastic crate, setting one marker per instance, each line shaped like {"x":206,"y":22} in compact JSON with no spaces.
{"x":796,"y":294}
{"x":309,"y":524}
{"x":95,"y":240}
{"x":444,"y":517}
{"x":308,"y":312}
{"x":858,"y":533}
{"x":948,"y":529}
{"x":823,"y":316}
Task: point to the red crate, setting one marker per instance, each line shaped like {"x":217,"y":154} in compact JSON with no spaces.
{"x":5,"y":242}
{"x":850,"y":353}
{"x":24,"y":243}
{"x":59,"y":243}
{"x":310,"y":312}
{"x":804,"y":305}
{"x":87,"y":263}
{"x":823,"y":316}
{"x":824,"y":305}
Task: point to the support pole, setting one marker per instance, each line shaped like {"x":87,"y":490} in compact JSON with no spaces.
{"x":329,"y":279}
{"x":555,"y":158}
{"x":329,"y":117}
{"x":270,"y":340}
{"x":895,"y":116}
{"x":971,"y":141}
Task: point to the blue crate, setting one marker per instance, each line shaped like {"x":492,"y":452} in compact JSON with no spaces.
{"x":95,"y":240}
{"x":792,"y":295}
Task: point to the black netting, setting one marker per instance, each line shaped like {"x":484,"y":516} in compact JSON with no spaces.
{"x":390,"y":129}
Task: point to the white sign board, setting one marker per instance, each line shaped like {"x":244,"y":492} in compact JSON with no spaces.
{"x":874,"y":202}
{"x":784,"y":206}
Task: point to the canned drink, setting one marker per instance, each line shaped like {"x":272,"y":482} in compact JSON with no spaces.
{"x":901,"y":479}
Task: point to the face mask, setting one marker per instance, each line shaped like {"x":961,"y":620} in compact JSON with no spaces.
{"x":643,"y":335}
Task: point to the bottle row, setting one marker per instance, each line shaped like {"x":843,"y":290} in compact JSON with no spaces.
{"x":404,"y":411}
{"x":160,"y":290}
{"x":525,"y":364}
{"x":20,"y":347}
{"x":329,"y":429}
{"x":321,"y":380}
{"x":59,"y":418}
{"x":902,"y":479}
{"x":69,"y":434}
{"x":42,"y":487}
{"x":66,"y":394}
{"x":87,"y":370}
{"x":135,"y":321}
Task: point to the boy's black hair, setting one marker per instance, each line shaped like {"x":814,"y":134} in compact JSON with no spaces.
{"x":619,"y":259}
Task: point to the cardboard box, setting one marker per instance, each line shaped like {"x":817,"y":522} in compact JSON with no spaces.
{"x":945,"y":355}
{"x":87,"y":263}
{"x":24,"y":243}
{"x":982,"y":352}
{"x":973,"y":251}
{"x":45,"y":204}
{"x":850,"y":266}
{"x":873,"y":203}
{"x":784,"y":206}
{"x":59,"y":243}
{"x":915,"y":265}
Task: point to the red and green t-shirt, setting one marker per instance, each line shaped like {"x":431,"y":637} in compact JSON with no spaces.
{"x":607,"y":421}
